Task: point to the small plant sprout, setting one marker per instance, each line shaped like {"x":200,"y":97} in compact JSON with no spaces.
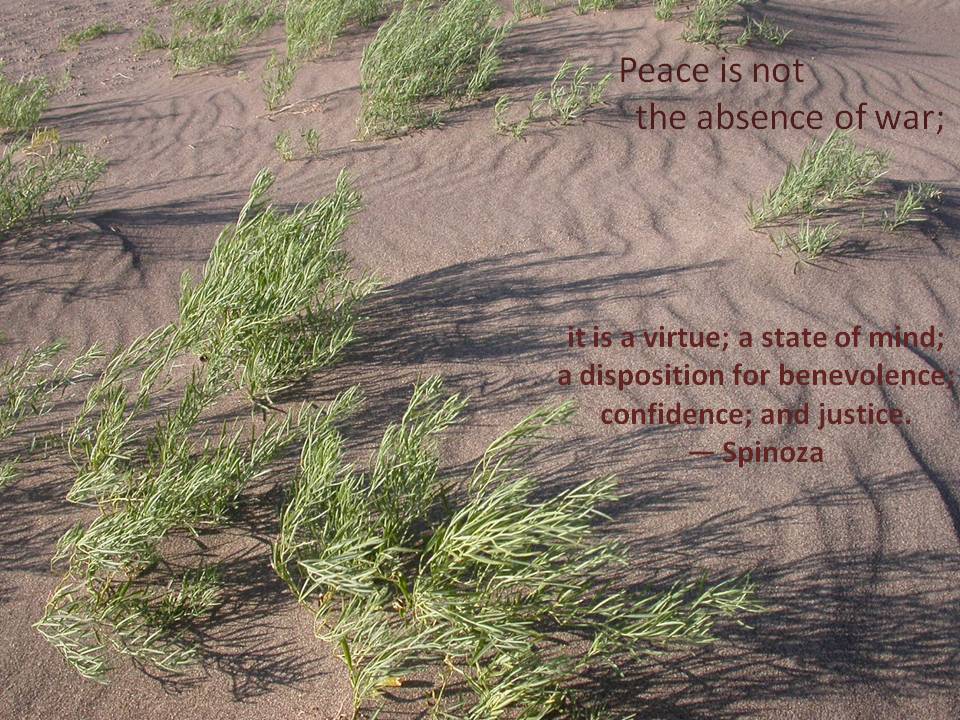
{"x":284,"y":146}
{"x":410,"y":577}
{"x":568,"y":101}
{"x":278,"y":77}
{"x":500,"y":110}
{"x":810,"y":242}
{"x":765,"y":30}
{"x":92,"y":32}
{"x":424,"y":55}
{"x":311,"y":139}
{"x":910,"y":204}
{"x":517,"y":129}
{"x":826,"y":174}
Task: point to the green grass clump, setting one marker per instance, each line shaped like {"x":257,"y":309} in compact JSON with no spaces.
{"x":274,"y":303}
{"x":22,"y":102}
{"x":585,"y":6}
{"x":706,"y":22}
{"x":276,"y":297}
{"x":43,"y":179}
{"x":151,"y":39}
{"x":425,"y":54}
{"x":210,"y":33}
{"x":664,"y":9}
{"x":311,"y":139}
{"x":765,"y":30}
{"x":910,"y":205}
{"x":482,"y":588}
{"x":29,"y":387}
{"x":92,"y":32}
{"x":518,"y":128}
{"x":179,"y":482}
{"x":827,"y":173}
{"x":284,"y":146}
{"x":278,"y":78}
{"x":566,"y":100}
{"x":528,"y":8}
{"x":314,"y":25}
{"x":810,"y":242}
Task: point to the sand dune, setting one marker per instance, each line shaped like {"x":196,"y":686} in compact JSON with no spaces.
{"x":488,"y":250}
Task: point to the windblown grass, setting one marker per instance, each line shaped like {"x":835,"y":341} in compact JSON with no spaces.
{"x":810,"y":242}
{"x":284,"y":146}
{"x":569,"y":100}
{"x":425,"y":54}
{"x":91,"y":32}
{"x":566,"y":100}
{"x":278,"y":77}
{"x":664,"y":9}
{"x":183,"y":482}
{"x":528,"y":8}
{"x":313,"y":25}
{"x":276,"y":297}
{"x":707,"y":21}
{"x":764,"y":29}
{"x":151,"y":39}
{"x":585,"y":6}
{"x":311,"y":139}
{"x":827,"y":173}
{"x":910,"y":205}
{"x":274,"y":303}
{"x":22,"y":102}
{"x":485,"y":588}
{"x":210,"y":33}
{"x":43,"y":179}
{"x":29,"y":387}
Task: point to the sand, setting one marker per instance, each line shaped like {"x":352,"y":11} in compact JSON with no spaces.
{"x":488,"y":250}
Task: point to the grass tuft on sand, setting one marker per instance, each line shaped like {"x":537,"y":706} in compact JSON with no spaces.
{"x":312,"y":26}
{"x":910,"y":204}
{"x":827,"y":173}
{"x":425,"y":58}
{"x":207,"y":32}
{"x":273,"y":304}
{"x":570,"y":95}
{"x":482,"y":587}
{"x":43,"y":179}
{"x":30,"y":386}
{"x":22,"y":102}
{"x":91,"y":32}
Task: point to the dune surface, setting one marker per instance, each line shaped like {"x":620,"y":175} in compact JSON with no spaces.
{"x":488,"y":250}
